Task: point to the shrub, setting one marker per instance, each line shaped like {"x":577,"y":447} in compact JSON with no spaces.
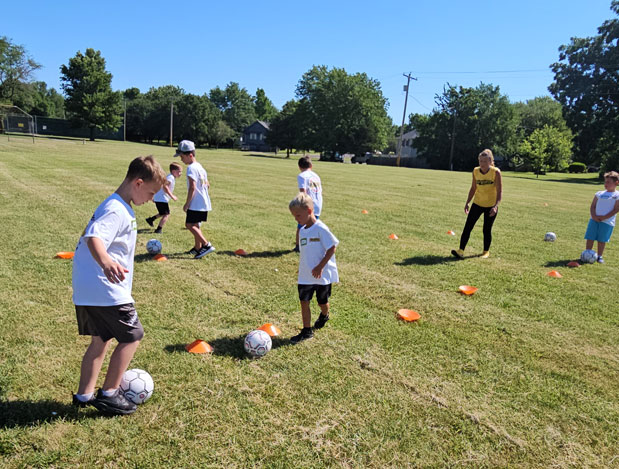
{"x":577,"y":167}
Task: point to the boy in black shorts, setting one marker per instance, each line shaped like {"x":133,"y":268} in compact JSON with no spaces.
{"x":317,"y":267}
{"x":102,"y":280}
{"x":164,"y":195}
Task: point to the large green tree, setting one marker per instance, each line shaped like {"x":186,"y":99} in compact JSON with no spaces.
{"x":236,"y":105}
{"x":37,"y":99}
{"x":546,"y":149}
{"x":265,"y":110}
{"x":16,"y":68}
{"x":586,"y":84}
{"x":286,"y":128}
{"x":465,"y":122}
{"x":196,"y":118}
{"x":342,"y":112}
{"x":88,"y":88}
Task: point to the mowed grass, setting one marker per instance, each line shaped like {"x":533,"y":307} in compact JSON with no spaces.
{"x":525,"y":373}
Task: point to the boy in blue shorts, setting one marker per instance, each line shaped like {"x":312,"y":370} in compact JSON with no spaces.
{"x":102,"y":281}
{"x":603,"y":209}
{"x":317,"y":267}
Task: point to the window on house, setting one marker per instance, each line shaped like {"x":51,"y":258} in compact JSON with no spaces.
{"x":253,"y":136}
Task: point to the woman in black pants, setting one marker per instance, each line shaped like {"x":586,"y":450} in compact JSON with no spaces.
{"x":486,"y":193}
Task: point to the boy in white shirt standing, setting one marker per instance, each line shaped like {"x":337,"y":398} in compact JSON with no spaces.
{"x":164,"y":195}
{"x":198,"y":202}
{"x":604,"y":207}
{"x":317,"y":267}
{"x":102,"y":282}
{"x":309,"y":182}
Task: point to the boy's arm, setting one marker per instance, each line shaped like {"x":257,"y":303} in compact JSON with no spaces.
{"x":317,"y":271}
{"x":190,"y":193}
{"x":592,"y":209}
{"x":610,"y":214}
{"x":167,"y":190}
{"x":114,"y":272}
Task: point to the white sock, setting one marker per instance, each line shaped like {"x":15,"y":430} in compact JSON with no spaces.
{"x":109,"y":393}
{"x":84,"y":397}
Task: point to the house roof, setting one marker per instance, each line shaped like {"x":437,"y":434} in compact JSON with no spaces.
{"x":411,"y":134}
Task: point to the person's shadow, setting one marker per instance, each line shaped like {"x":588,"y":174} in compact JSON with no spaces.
{"x":428,"y":259}
{"x":228,"y":346}
{"x":258,"y":254}
{"x":25,"y":413}
{"x":561,"y":263}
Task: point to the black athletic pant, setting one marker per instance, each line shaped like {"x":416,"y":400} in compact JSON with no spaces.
{"x":474,"y":214}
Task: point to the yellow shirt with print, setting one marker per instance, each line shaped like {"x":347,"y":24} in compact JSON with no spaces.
{"x":485,"y":194}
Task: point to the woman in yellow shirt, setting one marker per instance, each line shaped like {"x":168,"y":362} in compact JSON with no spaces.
{"x":486,"y":193}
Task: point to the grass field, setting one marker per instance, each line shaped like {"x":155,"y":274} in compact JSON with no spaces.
{"x":525,"y":373}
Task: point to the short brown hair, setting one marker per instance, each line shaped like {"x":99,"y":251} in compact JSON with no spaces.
{"x":614,"y":175}
{"x":147,"y":169}
{"x":305,"y":162}
{"x":175,"y":166}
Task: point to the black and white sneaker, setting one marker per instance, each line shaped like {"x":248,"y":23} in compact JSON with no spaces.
{"x":116,"y":404}
{"x":204,"y":251}
{"x":150,"y":221}
{"x":77,"y":403}
{"x":306,"y":333}
{"x":158,"y":230}
{"x":321,"y":321}
{"x":192,"y":251}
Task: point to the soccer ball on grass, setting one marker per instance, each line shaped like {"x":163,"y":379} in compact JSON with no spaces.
{"x":257,"y":343}
{"x":550,"y":236}
{"x":137,"y":385}
{"x":589,"y":256}
{"x":154,"y":246}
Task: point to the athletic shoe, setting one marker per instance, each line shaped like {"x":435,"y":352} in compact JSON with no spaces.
{"x":204,"y":250}
{"x":600,"y":260}
{"x":459,"y":253}
{"x":296,"y":249}
{"x":321,"y":321}
{"x":116,"y":404}
{"x":77,"y":403}
{"x":485,"y":255}
{"x":306,"y":333}
{"x":150,"y":221}
{"x":158,"y":230}
{"x":192,"y":251}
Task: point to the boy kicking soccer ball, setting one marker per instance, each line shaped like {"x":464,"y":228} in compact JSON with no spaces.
{"x":317,"y":268}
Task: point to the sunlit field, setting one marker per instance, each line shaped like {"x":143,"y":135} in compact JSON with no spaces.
{"x":524,"y":373}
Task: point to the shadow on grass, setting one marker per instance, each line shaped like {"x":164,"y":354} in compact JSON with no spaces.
{"x":228,"y":347}
{"x":561,"y":263}
{"x":258,"y":254}
{"x":145,"y":230}
{"x":429,"y":260}
{"x":28,"y":413}
{"x":264,"y":155}
{"x":589,"y":181}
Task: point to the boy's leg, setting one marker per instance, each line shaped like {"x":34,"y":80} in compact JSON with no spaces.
{"x":91,"y":365}
{"x":323,"y":292}
{"x":589,"y":244}
{"x":601,"y":247}
{"x":121,"y":357}
{"x":199,"y":239}
{"x":164,"y":219}
{"x":306,"y":314}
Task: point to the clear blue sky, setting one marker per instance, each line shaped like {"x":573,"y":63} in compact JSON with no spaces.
{"x":198,"y":45}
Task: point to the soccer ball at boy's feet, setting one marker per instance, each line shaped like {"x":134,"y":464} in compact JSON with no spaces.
{"x":137,"y":385}
{"x":257,"y":343}
{"x":550,"y":236}
{"x":154,"y":246}
{"x":589,"y":256}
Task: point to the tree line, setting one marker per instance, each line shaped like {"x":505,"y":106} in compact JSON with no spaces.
{"x":334,"y":111}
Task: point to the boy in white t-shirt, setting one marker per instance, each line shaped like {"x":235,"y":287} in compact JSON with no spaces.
{"x":309,"y":182}
{"x":102,"y":282}
{"x":604,"y":207}
{"x":198,"y":202}
{"x":317,"y":267}
{"x":164,"y":195}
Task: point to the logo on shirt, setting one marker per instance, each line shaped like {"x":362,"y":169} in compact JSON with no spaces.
{"x":303,"y":241}
{"x":314,"y":240}
{"x":484,"y":182}
{"x":134,"y":225}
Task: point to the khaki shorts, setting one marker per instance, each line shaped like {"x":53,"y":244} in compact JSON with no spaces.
{"x":120,"y":322}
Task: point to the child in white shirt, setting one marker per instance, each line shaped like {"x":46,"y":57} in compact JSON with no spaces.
{"x":309,"y":183}
{"x":604,"y":207}
{"x":164,"y":195}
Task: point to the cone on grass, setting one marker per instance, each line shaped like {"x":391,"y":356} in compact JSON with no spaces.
{"x":160,"y":258}
{"x":240,"y":252}
{"x":554,"y":274}
{"x":393,"y":236}
{"x":199,"y":346}
{"x":467,"y":289}
{"x":407,"y":315}
{"x":573,"y":264}
{"x":65,"y":255}
{"x":270,"y":329}
{"x":451,"y":233}
{"x":364,"y":211}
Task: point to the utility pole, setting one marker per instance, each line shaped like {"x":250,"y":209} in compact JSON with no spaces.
{"x":453,"y":140}
{"x":171,"y":122}
{"x":125,"y":121}
{"x":403,"y":116}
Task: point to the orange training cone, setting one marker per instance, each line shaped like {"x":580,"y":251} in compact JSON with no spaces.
{"x":160,"y":257}
{"x":364,"y":211}
{"x":573,"y":264}
{"x":451,"y":233}
{"x":554,"y":273}
{"x":199,"y":346}
{"x":65,"y":255}
{"x":467,"y":289}
{"x":393,"y":236}
{"x":270,"y":329}
{"x":240,"y":252}
{"x":407,"y":315}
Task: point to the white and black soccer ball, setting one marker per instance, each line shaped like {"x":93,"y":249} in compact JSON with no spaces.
{"x":588,"y":256}
{"x":154,"y":246}
{"x":257,"y":343}
{"x":550,"y":237}
{"x":137,"y":385}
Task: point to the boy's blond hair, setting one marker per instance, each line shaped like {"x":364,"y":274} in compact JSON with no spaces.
{"x":488,"y":154}
{"x":614,"y":175}
{"x":147,"y":169}
{"x":175,"y":166}
{"x":302,"y":200}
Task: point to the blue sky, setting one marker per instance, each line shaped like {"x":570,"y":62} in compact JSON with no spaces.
{"x":198,"y":45}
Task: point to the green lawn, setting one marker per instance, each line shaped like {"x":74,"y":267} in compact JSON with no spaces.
{"x":525,"y":373}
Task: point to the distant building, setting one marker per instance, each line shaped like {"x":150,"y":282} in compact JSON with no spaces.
{"x":254,"y":137}
{"x":407,"y":144}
